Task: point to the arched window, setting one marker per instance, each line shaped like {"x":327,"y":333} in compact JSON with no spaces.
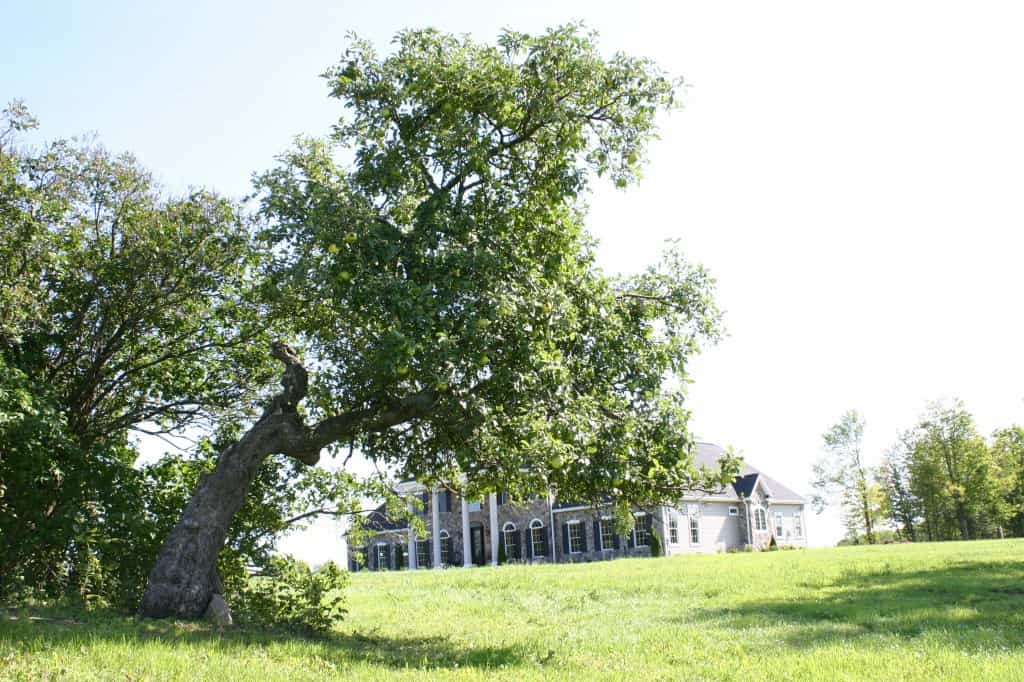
{"x":508,"y":539}
{"x":446,"y":548}
{"x":760,"y":519}
{"x":537,"y":538}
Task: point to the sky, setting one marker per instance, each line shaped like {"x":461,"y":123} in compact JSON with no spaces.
{"x":850,"y":173}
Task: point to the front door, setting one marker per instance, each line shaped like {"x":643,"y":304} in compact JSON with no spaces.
{"x":476,"y":540}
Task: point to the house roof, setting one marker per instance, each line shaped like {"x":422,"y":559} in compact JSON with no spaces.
{"x":379,"y":520}
{"x":708,"y":455}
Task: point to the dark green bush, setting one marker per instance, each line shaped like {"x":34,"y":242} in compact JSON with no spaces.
{"x":293,"y":597}
{"x":656,"y":547}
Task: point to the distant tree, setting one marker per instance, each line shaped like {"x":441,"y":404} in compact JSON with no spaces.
{"x":840,"y":474}
{"x":1008,"y":456}
{"x":446,"y":290}
{"x":953,"y":475}
{"x":893,"y":476}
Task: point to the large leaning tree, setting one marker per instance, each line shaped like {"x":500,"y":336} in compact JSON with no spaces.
{"x":432,"y":259}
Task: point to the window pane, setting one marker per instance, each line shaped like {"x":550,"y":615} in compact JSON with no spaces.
{"x":607,"y":541}
{"x":575,"y":537}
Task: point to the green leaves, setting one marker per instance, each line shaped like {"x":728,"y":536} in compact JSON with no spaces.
{"x":451,"y":255}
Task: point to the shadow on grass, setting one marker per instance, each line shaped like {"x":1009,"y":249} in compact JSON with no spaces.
{"x":30,"y":631}
{"x":971,"y":606}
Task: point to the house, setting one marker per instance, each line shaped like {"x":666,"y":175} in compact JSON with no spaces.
{"x":748,"y":513}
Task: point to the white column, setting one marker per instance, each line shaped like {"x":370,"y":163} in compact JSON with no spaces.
{"x":551,"y":524}
{"x":492,"y":502}
{"x":435,"y":528}
{"x":412,"y":542}
{"x":467,"y":547}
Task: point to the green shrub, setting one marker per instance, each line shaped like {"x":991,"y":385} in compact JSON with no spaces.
{"x":291,"y":596}
{"x":656,"y":548}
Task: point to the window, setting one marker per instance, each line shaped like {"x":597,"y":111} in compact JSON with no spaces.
{"x":641,"y":530}
{"x":383,"y":557}
{"x":798,"y":525}
{"x":446,"y":546}
{"x":734,"y":511}
{"x":673,"y":528}
{"x":607,"y":530}
{"x":694,"y":529}
{"x":422,"y":553}
{"x":760,"y":520}
{"x":537,"y":538}
{"x":575,"y":537}
{"x":508,"y":537}
{"x":779,"y":530}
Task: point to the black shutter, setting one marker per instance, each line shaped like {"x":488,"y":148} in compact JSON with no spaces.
{"x":527,"y":543}
{"x":617,"y":540}
{"x":516,"y":549}
{"x":583,"y":537}
{"x":448,"y":542}
{"x":544,"y":542}
{"x":391,"y":557}
{"x":565,"y":538}
{"x":598,"y":543}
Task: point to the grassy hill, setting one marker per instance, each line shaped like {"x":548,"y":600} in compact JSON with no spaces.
{"x":897,"y":612}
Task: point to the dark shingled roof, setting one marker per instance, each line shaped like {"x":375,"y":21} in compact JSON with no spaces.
{"x":379,"y":520}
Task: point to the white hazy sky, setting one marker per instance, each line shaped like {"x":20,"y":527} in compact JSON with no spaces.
{"x":851,"y":173}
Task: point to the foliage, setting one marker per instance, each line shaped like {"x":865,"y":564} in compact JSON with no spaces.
{"x":291,"y":596}
{"x":841,"y":473}
{"x":953,"y":476}
{"x":943,"y":481}
{"x":448,"y":267}
{"x":657,"y":549}
{"x":922,"y":612}
{"x":1008,"y":458}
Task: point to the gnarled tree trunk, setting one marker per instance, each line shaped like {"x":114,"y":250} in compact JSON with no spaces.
{"x":185,"y":578}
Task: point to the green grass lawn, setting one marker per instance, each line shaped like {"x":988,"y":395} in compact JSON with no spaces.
{"x":952,"y":611}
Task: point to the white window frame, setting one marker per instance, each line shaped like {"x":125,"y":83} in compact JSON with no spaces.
{"x":537,"y":538}
{"x":424,"y":560}
{"x":445,"y":558}
{"x":780,"y":528}
{"x":673,"y":528}
{"x":637,"y":528}
{"x":606,"y":523}
{"x":695,"y":534}
{"x":508,"y":531}
{"x":798,"y":525}
{"x":734,"y":511}
{"x":579,"y":526}
{"x":760,"y":519}
{"x":387,"y":556}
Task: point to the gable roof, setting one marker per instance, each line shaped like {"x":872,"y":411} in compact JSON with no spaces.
{"x":708,"y":455}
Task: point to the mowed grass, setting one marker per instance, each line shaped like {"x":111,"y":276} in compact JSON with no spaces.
{"x":951,"y":611}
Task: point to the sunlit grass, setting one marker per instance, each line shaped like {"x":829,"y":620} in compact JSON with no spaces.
{"x":899,"y":612}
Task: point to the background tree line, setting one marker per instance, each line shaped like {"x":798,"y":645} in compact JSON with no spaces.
{"x":941,"y":480}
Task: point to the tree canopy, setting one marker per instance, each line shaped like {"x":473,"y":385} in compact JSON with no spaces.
{"x":444,"y":272}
